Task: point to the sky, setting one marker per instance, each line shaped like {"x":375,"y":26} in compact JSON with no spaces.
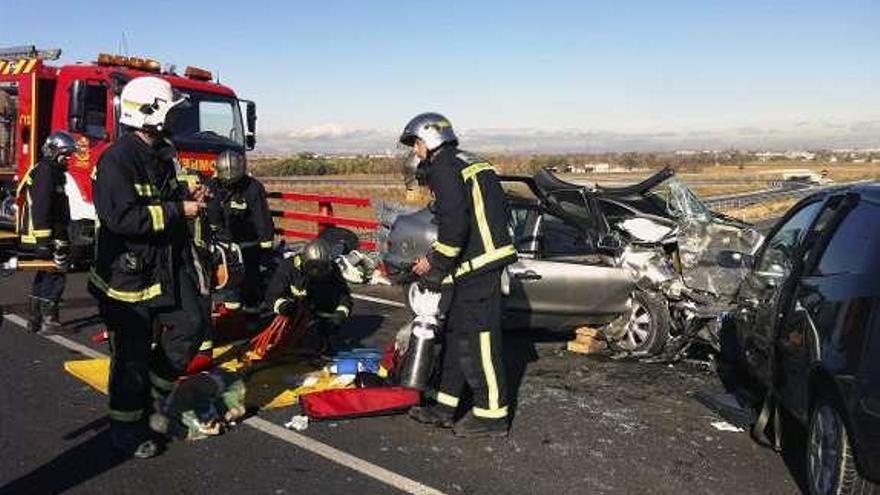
{"x":537,"y":75}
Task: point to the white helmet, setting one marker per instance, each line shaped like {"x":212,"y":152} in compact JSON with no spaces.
{"x":146,"y":101}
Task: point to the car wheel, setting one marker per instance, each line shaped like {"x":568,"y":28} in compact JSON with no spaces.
{"x":831,"y":467}
{"x":647,"y":330}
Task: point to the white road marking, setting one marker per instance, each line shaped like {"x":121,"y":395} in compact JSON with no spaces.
{"x":60,"y":340}
{"x":379,"y":300}
{"x":332,"y":454}
{"x":369,"y":469}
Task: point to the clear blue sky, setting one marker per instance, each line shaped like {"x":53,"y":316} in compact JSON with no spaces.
{"x":606,"y":65}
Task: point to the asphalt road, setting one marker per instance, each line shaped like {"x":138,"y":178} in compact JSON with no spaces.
{"x":581,"y":425}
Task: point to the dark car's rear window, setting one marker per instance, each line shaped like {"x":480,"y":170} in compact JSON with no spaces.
{"x":853,"y":248}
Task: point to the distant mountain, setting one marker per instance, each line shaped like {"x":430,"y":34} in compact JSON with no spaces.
{"x":333,"y":138}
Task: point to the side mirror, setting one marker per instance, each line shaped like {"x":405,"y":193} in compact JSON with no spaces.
{"x":76,"y":110}
{"x":772,"y":276}
{"x":734,"y":259}
{"x":251,"y":121}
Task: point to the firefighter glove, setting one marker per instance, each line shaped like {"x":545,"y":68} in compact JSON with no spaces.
{"x":286,"y":307}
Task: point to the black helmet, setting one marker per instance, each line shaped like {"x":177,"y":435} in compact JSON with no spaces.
{"x":432,"y":128}
{"x":316,"y":259}
{"x":59,"y":145}
{"x":230,"y":167}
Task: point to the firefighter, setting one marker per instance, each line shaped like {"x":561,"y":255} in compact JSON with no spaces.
{"x":239,"y":212}
{"x":311,"y":278}
{"x":473,"y":247}
{"x":42,"y":226}
{"x":146,"y":276}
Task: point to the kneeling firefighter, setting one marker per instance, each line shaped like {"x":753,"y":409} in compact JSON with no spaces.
{"x":146,"y":277}
{"x":311,"y":280}
{"x":238,"y":212}
{"x":42,"y":227}
{"x":473,"y":247}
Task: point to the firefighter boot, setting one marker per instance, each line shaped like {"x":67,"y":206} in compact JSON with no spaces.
{"x":472,"y":426}
{"x":35,"y":316}
{"x":434,"y":415}
{"x":133,"y":440}
{"x":49,"y":314}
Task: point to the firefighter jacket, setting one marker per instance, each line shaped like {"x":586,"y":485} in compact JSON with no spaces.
{"x":43,"y":205}
{"x":240,"y":212}
{"x":322,"y":297}
{"x":472,"y":216}
{"x":141,"y":236}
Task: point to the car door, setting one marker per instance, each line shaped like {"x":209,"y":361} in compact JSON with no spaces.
{"x":764,"y":285}
{"x":839,"y":297}
{"x":805,"y":310}
{"x":563,"y":282}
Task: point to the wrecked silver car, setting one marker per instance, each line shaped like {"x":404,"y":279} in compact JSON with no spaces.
{"x":640,"y":262}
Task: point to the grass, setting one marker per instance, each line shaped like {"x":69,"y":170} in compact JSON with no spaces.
{"x":762,"y":211}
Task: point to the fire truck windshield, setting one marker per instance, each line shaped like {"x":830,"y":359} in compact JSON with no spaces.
{"x":208,"y":118}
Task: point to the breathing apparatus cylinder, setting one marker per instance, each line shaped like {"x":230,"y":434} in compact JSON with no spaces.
{"x":418,"y":361}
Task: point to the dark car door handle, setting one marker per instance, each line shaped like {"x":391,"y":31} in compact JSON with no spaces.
{"x":526,"y":275}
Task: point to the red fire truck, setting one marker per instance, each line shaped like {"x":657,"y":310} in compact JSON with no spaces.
{"x":83,"y":98}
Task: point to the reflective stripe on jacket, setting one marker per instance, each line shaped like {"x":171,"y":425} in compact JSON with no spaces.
{"x":140,"y":230}
{"x":44,"y":208}
{"x":472,"y":215}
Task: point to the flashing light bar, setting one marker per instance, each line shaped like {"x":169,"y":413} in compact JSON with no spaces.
{"x":144,"y":64}
{"x":198,"y":74}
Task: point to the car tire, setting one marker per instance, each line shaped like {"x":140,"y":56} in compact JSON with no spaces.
{"x":831,"y":467}
{"x":647,"y":330}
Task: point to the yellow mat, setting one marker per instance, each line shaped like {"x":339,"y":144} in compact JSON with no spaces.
{"x":276,"y":384}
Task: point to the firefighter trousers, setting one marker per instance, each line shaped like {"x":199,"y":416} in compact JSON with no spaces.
{"x":472,"y":357}
{"x":49,"y":286}
{"x":141,"y":373}
{"x":252,"y":286}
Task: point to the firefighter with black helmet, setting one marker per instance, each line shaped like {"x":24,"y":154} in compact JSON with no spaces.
{"x":311,"y":280}
{"x":42,"y":227}
{"x":473,"y":247}
{"x":146,"y":276}
{"x":238,"y":212}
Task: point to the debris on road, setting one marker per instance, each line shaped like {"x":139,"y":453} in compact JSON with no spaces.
{"x":725,"y":426}
{"x":298,"y":422}
{"x":587,"y":340}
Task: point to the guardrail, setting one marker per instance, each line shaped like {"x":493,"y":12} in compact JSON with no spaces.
{"x":747,"y":199}
{"x":324,"y":217}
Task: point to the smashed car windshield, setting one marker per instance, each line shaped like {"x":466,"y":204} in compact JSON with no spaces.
{"x":679,"y":200}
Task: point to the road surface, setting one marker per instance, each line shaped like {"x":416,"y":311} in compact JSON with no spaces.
{"x":581,"y":425}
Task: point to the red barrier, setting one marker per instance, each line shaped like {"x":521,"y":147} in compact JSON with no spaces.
{"x":325,"y":217}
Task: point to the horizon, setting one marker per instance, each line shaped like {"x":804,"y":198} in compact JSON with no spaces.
{"x":562,"y":76}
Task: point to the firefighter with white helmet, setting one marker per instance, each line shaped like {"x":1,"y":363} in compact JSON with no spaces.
{"x":146,"y":274}
{"x":42,"y":227}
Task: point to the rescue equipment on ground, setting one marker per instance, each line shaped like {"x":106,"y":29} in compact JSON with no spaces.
{"x":419,"y":357}
{"x":282,"y":331}
{"x":358,"y":402}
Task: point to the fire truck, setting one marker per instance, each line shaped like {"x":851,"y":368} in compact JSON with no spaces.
{"x":37,"y":98}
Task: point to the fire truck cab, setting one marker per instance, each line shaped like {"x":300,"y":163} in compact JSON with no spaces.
{"x":83,"y":99}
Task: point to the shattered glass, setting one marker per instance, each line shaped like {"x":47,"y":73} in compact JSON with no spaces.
{"x":700,"y":244}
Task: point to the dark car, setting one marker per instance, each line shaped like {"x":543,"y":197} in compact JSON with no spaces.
{"x":807,"y":328}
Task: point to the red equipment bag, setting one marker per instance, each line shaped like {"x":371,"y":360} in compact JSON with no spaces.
{"x":356,"y":402}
